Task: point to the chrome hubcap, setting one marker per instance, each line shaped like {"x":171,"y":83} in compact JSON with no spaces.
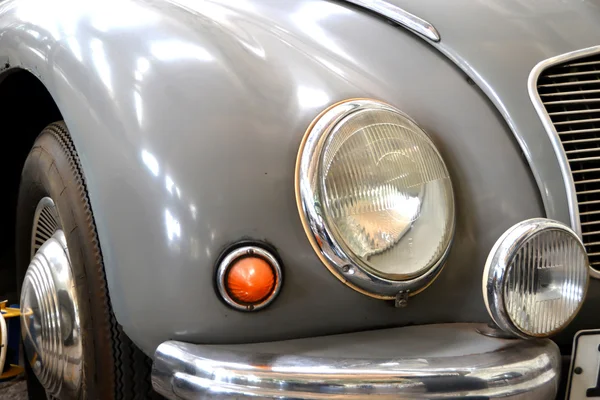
{"x":50,"y":325}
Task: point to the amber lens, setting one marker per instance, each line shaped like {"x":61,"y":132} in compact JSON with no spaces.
{"x":250,"y":280}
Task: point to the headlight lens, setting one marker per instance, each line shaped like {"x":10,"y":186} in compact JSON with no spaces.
{"x":386,"y":193}
{"x":376,"y":196}
{"x":536,"y":278}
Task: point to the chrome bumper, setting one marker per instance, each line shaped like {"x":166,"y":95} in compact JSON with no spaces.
{"x":430,"y":361}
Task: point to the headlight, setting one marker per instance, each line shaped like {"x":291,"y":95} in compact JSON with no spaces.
{"x":375,"y":198}
{"x":535,"y":278}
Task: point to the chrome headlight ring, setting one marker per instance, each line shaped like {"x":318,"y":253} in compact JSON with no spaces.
{"x":537,"y":261}
{"x":329,"y":248}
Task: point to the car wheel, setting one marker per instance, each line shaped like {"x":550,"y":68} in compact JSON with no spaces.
{"x":74,"y":347}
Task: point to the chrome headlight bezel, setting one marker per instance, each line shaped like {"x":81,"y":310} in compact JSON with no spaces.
{"x":497,"y":267}
{"x":327,"y":247}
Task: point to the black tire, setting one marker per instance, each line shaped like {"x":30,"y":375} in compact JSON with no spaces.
{"x":114,"y":368}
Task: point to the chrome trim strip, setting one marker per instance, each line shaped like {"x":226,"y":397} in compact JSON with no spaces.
{"x":401,"y":17}
{"x":563,"y":162}
{"x":457,"y":362}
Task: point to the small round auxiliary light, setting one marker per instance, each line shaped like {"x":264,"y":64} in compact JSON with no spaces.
{"x":535,"y":278}
{"x":249,"y":278}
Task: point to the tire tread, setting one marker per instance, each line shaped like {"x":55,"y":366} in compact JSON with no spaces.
{"x":131,"y":377}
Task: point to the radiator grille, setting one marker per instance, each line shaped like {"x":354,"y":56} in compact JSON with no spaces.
{"x":570,"y":93}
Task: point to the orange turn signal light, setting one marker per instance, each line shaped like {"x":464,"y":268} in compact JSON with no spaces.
{"x":249,"y":278}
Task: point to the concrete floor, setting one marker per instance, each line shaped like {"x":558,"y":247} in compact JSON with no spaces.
{"x":15,"y":390}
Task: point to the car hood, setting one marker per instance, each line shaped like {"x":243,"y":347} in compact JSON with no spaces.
{"x":500,"y":42}
{"x":497,"y":44}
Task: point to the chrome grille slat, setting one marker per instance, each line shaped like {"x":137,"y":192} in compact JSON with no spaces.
{"x":593,"y":140}
{"x":590,"y":213}
{"x":589,"y":192}
{"x":578,"y":101}
{"x":576,"y":92}
{"x":572,"y":132}
{"x":586,"y":111}
{"x":570,"y":93}
{"x":583,"y":171}
{"x":590,"y":202}
{"x":585,"y":159}
{"x":571,"y":74}
{"x":587,"y":181}
{"x":577,"y":121}
{"x":581,"y":64}
{"x":583,"y":151}
{"x":576,"y":83}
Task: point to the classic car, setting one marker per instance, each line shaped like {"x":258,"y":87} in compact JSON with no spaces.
{"x":307,"y":199}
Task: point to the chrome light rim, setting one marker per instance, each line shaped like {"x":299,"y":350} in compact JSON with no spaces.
{"x":497,"y":265}
{"x":230,"y":259}
{"x":327,"y":248}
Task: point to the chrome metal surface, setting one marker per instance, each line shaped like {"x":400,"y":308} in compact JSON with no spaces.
{"x":50,"y":325}
{"x":341,"y":264}
{"x":497,"y":265}
{"x":561,"y":122}
{"x":230,"y":259}
{"x":401,"y":17}
{"x":45,"y":223}
{"x":455,"y":362}
{"x":492,"y":330}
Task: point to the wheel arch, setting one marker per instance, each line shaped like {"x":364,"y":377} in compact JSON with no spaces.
{"x":26,"y":107}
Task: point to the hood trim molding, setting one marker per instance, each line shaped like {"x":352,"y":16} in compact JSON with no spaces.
{"x":401,"y":17}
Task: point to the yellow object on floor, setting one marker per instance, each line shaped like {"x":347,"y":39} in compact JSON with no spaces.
{"x":7,"y":313}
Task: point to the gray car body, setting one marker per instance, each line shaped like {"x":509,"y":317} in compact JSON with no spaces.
{"x":188,"y":115}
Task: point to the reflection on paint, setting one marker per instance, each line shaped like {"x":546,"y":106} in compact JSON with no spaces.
{"x":310,"y":97}
{"x":100,"y":61}
{"x":75,"y":47}
{"x":150,"y":161}
{"x":171,"y":50}
{"x":169,"y":184}
{"x":142,"y":66}
{"x":107,"y":17}
{"x":308,"y":18}
{"x":173,"y":226}
{"x":139,"y":111}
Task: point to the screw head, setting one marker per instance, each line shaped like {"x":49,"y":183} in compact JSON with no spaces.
{"x":578,"y":370}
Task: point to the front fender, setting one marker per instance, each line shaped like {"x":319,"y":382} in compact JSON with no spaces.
{"x":188,"y":120}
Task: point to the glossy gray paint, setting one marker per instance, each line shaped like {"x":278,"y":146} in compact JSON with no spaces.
{"x":498,"y":44}
{"x":188,"y":115}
